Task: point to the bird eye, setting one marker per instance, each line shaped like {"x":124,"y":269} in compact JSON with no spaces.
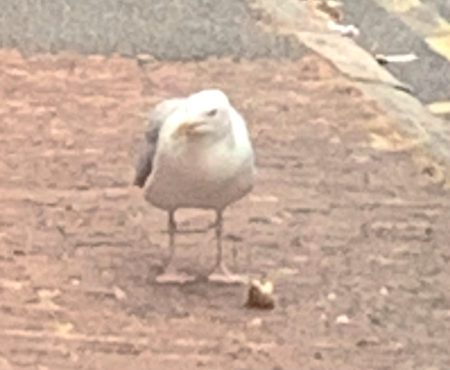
{"x":212,"y":113}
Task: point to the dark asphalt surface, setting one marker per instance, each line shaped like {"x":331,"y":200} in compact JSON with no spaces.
{"x":382,"y":32}
{"x":442,"y":5}
{"x":170,"y":30}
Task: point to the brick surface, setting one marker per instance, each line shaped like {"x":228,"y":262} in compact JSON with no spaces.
{"x":340,"y":224}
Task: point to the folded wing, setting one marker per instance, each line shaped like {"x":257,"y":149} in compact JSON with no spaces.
{"x":158,"y":116}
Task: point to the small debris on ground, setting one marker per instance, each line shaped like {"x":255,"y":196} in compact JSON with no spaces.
{"x":398,"y":58}
{"x":119,"y":293}
{"x":384,"y":291}
{"x":349,"y":30}
{"x":260,"y":295}
{"x":342,"y":320}
{"x":331,"y":8}
{"x":256,"y":322}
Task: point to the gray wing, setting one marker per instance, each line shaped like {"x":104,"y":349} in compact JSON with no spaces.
{"x":158,"y":116}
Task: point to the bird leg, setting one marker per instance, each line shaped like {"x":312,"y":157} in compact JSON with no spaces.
{"x":170,"y":274}
{"x":220,"y":272}
{"x":172,"y":229}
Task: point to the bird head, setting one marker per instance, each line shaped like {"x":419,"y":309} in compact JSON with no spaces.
{"x":205,"y":113}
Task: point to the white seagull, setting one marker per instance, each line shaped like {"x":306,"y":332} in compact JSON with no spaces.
{"x":197,"y":154}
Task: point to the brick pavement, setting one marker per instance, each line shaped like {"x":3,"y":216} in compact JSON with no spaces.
{"x":347,"y":218}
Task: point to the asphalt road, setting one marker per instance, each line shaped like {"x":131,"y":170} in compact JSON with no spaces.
{"x":443,"y":7}
{"x":169,"y":30}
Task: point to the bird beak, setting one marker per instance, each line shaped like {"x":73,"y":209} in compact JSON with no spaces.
{"x":187,"y":129}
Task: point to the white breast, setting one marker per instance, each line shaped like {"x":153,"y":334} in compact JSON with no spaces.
{"x":202,"y":173}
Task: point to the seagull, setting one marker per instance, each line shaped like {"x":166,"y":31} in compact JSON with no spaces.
{"x":197,"y":154}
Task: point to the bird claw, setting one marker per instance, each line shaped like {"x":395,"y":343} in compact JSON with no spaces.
{"x":227,"y":279}
{"x":222,"y":275}
{"x":174,"y":278}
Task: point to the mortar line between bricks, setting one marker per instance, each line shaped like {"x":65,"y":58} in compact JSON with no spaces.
{"x":77,"y":337}
{"x":37,"y":194}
